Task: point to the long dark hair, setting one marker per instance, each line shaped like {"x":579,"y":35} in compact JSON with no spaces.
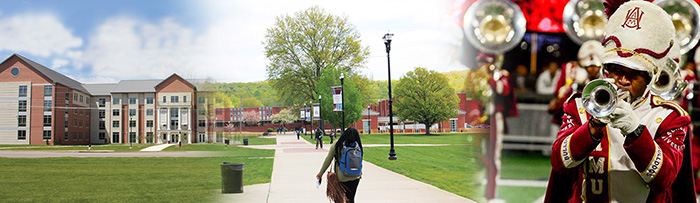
{"x":350,"y":135}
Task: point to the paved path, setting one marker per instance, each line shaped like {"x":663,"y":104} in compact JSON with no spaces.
{"x":293,"y":180}
{"x":156,"y":148}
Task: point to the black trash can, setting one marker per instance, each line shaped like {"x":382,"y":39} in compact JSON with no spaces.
{"x":226,"y":141}
{"x":245,"y":141}
{"x":231,"y":177}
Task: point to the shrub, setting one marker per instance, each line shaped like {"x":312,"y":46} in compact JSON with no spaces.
{"x":270,"y":130}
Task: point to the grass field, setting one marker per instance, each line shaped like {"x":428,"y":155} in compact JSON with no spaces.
{"x":521,"y":165}
{"x":408,"y":138}
{"x":189,"y":179}
{"x":255,"y":140}
{"x":115,"y":147}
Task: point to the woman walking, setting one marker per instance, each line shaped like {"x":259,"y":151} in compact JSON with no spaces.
{"x":349,"y":139}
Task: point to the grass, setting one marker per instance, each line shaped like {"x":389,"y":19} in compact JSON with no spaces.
{"x":115,"y":147}
{"x":409,"y":138}
{"x":231,"y":150}
{"x":451,"y":168}
{"x":256,"y":140}
{"x":520,"y":194}
{"x":524,"y":165}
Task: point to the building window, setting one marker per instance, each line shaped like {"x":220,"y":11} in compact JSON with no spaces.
{"x":81,"y":98}
{"x":65,"y":136}
{"x":174,"y":113}
{"x":132,"y":112}
{"x":80,"y":135}
{"x":47,"y":135}
{"x":47,"y":120}
{"x":101,"y":113}
{"x":101,"y":135}
{"x":164,"y":99}
{"x":75,"y":136}
{"x":75,"y":122}
{"x":102,"y":125}
{"x":149,"y":112}
{"x":184,"y":99}
{"x":115,"y":112}
{"x":149,"y":135}
{"x":202,"y":123}
{"x":149,"y":100}
{"x":115,"y":124}
{"x":21,"y":134}
{"x":67,"y":96}
{"x":219,"y":124}
{"x":48,"y":90}
{"x":132,"y":123}
{"x":201,"y":100}
{"x":115,"y":137}
{"x":101,"y":102}
{"x":22,"y":120}
{"x":149,"y":123}
{"x":47,"y":105}
{"x":115,"y":100}
{"x":174,"y":99}
{"x":201,"y":112}
{"x":132,"y":100}
{"x":22,"y":91}
{"x":75,"y":97}
{"x":132,"y":137}
{"x":66,"y":124}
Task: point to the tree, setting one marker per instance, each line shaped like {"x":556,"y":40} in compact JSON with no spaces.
{"x":251,"y":117}
{"x":301,"y":46}
{"x":426,"y":97}
{"x":284,"y":116}
{"x":476,"y":87}
{"x":353,"y":104}
{"x":252,"y":102}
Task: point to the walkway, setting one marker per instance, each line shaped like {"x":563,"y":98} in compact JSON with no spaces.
{"x":156,"y":148}
{"x":294,"y":175}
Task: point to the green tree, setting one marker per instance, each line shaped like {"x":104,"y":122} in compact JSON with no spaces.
{"x":251,"y":102}
{"x":476,"y":87}
{"x":299,"y":47}
{"x":426,"y":97}
{"x":353,"y":102}
{"x":284,"y":116}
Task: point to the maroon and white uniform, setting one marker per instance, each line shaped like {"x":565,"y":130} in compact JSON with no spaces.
{"x":614,"y":171}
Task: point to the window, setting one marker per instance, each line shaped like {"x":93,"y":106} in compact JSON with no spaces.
{"x":115,"y":124}
{"x":48,"y":90}
{"x":184,"y":98}
{"x":132,"y":123}
{"x":149,"y":135}
{"x":115,"y":100}
{"x":115,"y":137}
{"x":47,"y":105}
{"x":101,"y":113}
{"x":132,"y":112}
{"x":81,"y":98}
{"x":149,"y":112}
{"x":174,"y":113}
{"x":47,"y":135}
{"x":149,"y":100}
{"x":21,"y":134}
{"x":65,"y":136}
{"x":101,"y":102}
{"x":201,"y":100}
{"x":115,"y":112}
{"x":102,"y":136}
{"x":80,"y":123}
{"x":75,"y":136}
{"x":201,"y":112}
{"x":80,"y":135}
{"x":132,"y":100}
{"x":202,"y":123}
{"x":47,"y":120}
{"x":75,"y":122}
{"x":174,"y":99}
{"x":67,"y":95}
{"x":132,"y":137}
{"x":219,"y":124}
{"x":22,"y":91}
{"x":164,"y":99}
{"x":102,"y":125}
{"x":22,"y":120}
{"x":75,"y":97}
{"x":149,"y":123}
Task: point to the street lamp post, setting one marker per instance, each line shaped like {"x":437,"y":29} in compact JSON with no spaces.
{"x":320,"y":120}
{"x":342,"y":102}
{"x":387,"y":42}
{"x":130,"y":141}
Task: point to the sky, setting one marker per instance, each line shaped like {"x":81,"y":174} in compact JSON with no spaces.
{"x":108,"y":41}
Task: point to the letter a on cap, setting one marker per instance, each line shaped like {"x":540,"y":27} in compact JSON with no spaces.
{"x":633,"y":18}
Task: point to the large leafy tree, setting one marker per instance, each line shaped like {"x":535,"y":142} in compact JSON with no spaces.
{"x":353,"y":102}
{"x":300,"y":46}
{"x":284,"y":116}
{"x":426,"y":97}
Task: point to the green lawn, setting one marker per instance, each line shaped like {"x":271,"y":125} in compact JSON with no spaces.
{"x":520,"y":194}
{"x":231,"y":150}
{"x":137,"y":179}
{"x":408,"y":138}
{"x":525,"y":165}
{"x":115,"y":147}
{"x":451,"y":168}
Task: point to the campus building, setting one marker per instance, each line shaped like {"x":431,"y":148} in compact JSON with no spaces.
{"x":41,"y":106}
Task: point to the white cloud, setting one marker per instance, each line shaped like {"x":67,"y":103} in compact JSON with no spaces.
{"x":37,"y":34}
{"x":58,"y":63}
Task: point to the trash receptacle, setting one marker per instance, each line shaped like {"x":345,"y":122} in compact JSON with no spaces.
{"x":231,"y":177}
{"x":245,"y":141}
{"x":226,"y":141}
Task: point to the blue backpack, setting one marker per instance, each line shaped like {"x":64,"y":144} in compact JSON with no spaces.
{"x":351,"y":160}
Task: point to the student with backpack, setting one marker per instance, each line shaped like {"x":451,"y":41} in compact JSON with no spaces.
{"x":347,"y":153}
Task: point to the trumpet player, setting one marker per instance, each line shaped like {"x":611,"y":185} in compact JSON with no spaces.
{"x":640,"y":152}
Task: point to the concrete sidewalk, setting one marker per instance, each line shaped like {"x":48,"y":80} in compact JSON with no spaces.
{"x":294,"y":175}
{"x":156,"y":148}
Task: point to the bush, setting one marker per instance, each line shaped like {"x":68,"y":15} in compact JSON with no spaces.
{"x":270,"y":130}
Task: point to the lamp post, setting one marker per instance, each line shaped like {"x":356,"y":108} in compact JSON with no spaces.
{"x":130,"y":141}
{"x":320,"y":120}
{"x":342,"y":102}
{"x":311,"y":117}
{"x":387,"y":42}
{"x":240,"y":119}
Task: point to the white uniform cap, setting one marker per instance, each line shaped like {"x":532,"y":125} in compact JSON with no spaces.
{"x":589,"y":53}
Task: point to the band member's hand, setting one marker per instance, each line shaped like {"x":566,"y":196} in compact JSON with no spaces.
{"x":623,"y":118}
{"x":318,"y":176}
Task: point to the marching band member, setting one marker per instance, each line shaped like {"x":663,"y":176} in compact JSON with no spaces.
{"x":638,"y":153}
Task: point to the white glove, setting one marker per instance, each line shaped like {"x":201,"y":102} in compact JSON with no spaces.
{"x":623,"y":118}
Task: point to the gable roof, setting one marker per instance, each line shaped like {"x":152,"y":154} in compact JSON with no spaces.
{"x":134,"y":86}
{"x":100,"y":89}
{"x":175,"y":75}
{"x":53,"y":75}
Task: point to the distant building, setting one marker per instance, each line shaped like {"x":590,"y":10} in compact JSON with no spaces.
{"x":41,"y":106}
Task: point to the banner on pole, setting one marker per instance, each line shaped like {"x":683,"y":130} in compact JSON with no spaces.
{"x":302,"y":114}
{"x":337,"y":98}
{"x":317,"y":112}
{"x":308,"y":114}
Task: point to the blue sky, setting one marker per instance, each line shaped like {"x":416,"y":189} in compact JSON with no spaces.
{"x":107,"y":41}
